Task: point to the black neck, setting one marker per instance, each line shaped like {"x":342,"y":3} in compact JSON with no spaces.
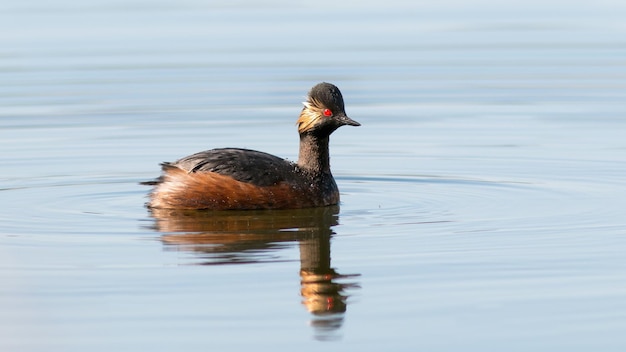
{"x":314,"y":154}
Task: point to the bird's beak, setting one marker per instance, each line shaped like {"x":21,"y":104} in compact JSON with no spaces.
{"x":345,"y":120}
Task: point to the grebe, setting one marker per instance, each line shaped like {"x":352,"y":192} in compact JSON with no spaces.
{"x":234,"y":178}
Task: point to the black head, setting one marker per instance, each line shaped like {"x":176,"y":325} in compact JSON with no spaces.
{"x":324,"y":110}
{"x":328,"y":95}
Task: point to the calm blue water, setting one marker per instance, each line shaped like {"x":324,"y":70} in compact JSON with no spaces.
{"x":482,"y":203}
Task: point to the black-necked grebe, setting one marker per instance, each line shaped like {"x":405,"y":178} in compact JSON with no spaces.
{"x":233,"y":178}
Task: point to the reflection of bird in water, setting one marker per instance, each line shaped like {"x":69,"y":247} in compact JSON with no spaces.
{"x":322,"y":288}
{"x":232,"y":237}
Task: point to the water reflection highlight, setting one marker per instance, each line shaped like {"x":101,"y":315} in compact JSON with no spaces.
{"x":239,"y":237}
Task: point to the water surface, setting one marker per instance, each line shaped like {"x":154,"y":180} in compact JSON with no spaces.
{"x":482,"y":197}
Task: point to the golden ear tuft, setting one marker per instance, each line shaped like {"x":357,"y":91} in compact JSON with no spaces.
{"x":308,"y":118}
{"x":310,"y":115}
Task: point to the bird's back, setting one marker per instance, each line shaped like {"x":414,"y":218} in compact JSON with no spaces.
{"x":245,"y":165}
{"x":232,"y":178}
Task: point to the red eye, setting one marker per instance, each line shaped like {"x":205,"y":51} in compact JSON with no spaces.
{"x":327,"y":112}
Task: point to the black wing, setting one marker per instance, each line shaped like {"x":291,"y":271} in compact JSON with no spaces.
{"x":243,"y":165}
